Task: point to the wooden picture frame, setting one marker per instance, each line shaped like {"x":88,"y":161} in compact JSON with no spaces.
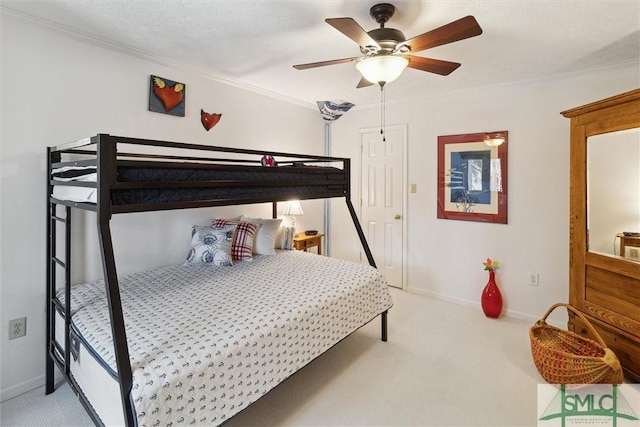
{"x":472,"y":178}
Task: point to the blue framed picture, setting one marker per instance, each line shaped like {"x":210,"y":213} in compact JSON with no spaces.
{"x":472,"y":177}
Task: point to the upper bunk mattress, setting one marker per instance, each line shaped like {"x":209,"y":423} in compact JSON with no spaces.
{"x":152,"y":183}
{"x":205,"y":342}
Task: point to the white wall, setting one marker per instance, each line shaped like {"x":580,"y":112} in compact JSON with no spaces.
{"x":56,"y":89}
{"x":445,"y":256}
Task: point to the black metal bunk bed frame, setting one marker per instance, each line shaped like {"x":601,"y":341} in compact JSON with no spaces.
{"x":106,"y":159}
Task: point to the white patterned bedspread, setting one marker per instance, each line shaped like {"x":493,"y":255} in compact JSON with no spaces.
{"x":206,"y":342}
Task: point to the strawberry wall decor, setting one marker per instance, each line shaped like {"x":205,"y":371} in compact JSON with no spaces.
{"x":166,"y":96}
{"x":209,"y":120}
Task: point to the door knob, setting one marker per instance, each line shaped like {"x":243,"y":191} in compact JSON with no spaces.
{"x":398,"y":216}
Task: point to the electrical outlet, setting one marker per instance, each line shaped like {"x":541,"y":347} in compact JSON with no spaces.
{"x":633,"y":253}
{"x":533,"y":279}
{"x":17,"y":328}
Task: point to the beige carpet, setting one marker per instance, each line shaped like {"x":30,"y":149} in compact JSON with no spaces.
{"x":444,"y":365}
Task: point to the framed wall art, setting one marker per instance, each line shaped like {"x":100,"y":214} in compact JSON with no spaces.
{"x":472,"y":177}
{"x":166,"y":96}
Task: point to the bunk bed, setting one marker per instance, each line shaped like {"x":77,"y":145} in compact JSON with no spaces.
{"x":249,"y":326}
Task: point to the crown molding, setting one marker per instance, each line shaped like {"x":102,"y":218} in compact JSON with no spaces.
{"x":93,"y":40}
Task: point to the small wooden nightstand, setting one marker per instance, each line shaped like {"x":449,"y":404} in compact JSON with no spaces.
{"x":302,"y":242}
{"x":627,"y":241}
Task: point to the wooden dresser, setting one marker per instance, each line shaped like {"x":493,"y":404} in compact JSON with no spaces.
{"x":604,"y":287}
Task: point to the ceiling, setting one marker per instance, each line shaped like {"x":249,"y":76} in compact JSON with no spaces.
{"x":255,"y":43}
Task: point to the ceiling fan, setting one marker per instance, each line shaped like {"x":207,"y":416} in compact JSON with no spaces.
{"x":387,"y":52}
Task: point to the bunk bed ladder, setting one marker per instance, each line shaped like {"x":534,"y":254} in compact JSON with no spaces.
{"x":57,"y":353}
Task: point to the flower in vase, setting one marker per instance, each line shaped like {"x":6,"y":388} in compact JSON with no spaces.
{"x":490,"y":265}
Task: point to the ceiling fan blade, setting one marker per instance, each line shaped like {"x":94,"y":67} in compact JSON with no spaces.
{"x":452,"y":32}
{"x":437,"y":66}
{"x":324,"y":63}
{"x":364,"y":83}
{"x":350,"y":28}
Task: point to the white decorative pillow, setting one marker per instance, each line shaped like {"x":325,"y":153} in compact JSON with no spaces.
{"x":211,"y":246}
{"x":284,"y":239}
{"x":265,"y":241}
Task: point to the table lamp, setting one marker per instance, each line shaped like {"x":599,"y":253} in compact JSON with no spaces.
{"x":293,"y":208}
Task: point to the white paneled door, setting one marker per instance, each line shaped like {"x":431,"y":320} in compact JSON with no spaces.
{"x":383,"y":189}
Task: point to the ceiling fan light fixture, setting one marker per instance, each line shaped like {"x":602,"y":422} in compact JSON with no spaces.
{"x":494,"y":139}
{"x":382,"y":69}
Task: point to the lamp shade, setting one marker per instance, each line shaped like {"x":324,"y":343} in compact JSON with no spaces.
{"x":382,"y":68}
{"x":292,"y":208}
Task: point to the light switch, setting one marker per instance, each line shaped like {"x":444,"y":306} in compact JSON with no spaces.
{"x":413,"y":188}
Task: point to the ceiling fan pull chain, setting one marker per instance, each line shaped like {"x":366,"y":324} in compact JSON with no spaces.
{"x":382,"y":113}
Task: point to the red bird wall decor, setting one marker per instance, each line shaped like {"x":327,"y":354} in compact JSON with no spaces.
{"x":209,"y":120}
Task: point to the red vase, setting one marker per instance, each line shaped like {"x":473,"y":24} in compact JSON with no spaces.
{"x":491,"y":297}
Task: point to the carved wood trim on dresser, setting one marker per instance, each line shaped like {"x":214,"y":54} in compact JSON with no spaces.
{"x":605,"y":288}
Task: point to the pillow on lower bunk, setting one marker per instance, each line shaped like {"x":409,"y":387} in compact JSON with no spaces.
{"x":266,"y":235}
{"x":243,"y":238}
{"x":284,"y":239}
{"x":211,"y":246}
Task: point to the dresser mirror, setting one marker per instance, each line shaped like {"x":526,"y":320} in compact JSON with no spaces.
{"x":613,"y":193}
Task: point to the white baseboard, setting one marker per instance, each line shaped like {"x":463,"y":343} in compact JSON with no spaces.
{"x":27,"y":386}
{"x":21,"y":388}
{"x":475,"y":304}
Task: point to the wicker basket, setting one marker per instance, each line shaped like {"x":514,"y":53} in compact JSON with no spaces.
{"x":564,"y":357}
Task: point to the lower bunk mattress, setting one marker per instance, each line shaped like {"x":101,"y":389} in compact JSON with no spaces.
{"x":205,"y":342}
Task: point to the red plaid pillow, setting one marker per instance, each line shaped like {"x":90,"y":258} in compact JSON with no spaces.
{"x":243,"y":237}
